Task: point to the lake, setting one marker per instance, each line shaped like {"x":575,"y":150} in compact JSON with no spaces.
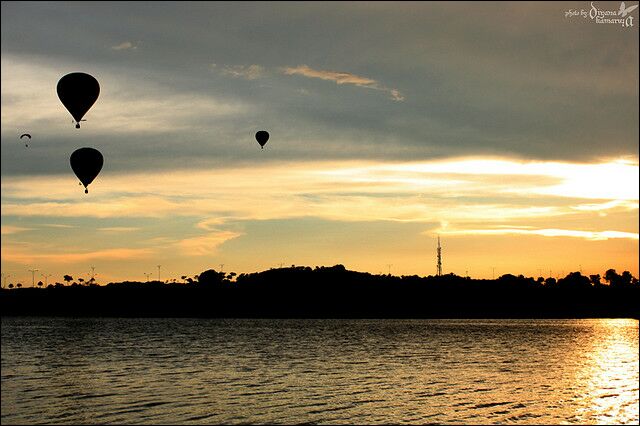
{"x":207,"y":371}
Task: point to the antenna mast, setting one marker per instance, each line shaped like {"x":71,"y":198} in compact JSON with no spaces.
{"x":439,"y":257}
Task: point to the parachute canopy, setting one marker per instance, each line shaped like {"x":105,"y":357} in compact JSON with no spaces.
{"x":86,"y":164}
{"x":262,"y":137}
{"x":27,"y":135}
{"x":78,"y":92}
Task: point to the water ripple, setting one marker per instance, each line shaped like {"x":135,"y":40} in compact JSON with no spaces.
{"x":204,"y":371}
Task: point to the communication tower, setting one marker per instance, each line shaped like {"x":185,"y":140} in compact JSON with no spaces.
{"x":439,"y":257}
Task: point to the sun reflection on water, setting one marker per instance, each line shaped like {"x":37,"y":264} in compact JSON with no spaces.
{"x":610,"y":374}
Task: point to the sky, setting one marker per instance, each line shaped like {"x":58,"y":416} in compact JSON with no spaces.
{"x":508,"y":129}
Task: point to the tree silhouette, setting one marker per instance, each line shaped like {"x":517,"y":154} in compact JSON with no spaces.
{"x":40,"y":284}
{"x":211,"y":277}
{"x":626,"y":278}
{"x":335,"y":292}
{"x":10,"y":285}
{"x":612,"y":277}
{"x":68,"y":278}
{"x":19,"y":285}
{"x":574,"y":280}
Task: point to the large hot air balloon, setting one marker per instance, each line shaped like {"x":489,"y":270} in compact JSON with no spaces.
{"x":27,"y":135}
{"x":262,"y":137}
{"x":78,"y":92}
{"x":86,"y":164}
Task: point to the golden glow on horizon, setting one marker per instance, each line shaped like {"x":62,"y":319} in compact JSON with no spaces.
{"x":573,"y":179}
{"x":467,"y":197}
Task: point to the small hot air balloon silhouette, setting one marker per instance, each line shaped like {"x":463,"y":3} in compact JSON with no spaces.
{"x":78,"y":92}
{"x":86,"y":164}
{"x":27,"y":135}
{"x":262,"y":137}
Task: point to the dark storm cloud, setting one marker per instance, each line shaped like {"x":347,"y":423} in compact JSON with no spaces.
{"x":501,"y":79}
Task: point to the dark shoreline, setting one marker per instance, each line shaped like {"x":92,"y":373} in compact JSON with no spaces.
{"x":302,"y":292}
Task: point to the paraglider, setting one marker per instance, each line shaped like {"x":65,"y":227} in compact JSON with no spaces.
{"x":262,"y":137}
{"x":78,"y":92}
{"x":86,"y":164}
{"x":27,"y":135}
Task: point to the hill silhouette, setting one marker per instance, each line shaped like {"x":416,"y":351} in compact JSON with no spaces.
{"x":335,"y":292}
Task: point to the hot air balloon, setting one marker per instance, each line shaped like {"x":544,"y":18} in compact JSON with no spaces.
{"x":86,"y":164}
{"x":78,"y":92}
{"x":27,"y":135}
{"x":262,"y":137}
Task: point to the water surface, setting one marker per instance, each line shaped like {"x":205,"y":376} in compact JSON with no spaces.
{"x":107,"y":370}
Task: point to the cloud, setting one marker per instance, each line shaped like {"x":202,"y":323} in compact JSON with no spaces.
{"x":212,"y":224}
{"x":342,"y":78}
{"x":129,"y":206}
{"x":481,"y":79}
{"x":248,"y":72}
{"x":396,"y":95}
{"x":612,"y":180}
{"x":129,"y":106}
{"x":588,"y":235}
{"x":618,"y":180}
{"x":492,"y":192}
{"x":25,"y":255}
{"x":206,"y":244}
{"x":126,"y":45}
{"x":8,"y":229}
{"x":119,"y":229}
{"x":338,"y":77}
{"x":609,"y":205}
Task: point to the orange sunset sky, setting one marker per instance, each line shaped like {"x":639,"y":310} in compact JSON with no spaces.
{"x":508,"y":129}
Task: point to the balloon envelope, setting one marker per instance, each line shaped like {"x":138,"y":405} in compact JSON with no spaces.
{"x":262,"y":137}
{"x":86,"y":164}
{"x":78,"y":92}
